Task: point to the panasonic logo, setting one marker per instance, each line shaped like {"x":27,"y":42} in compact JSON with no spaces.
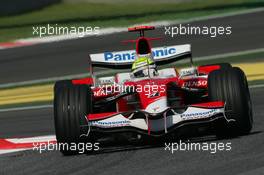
{"x":109,"y":123}
{"x":110,"y":56}
{"x":199,"y":114}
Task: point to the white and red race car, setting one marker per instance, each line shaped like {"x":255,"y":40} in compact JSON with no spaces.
{"x":213,"y":97}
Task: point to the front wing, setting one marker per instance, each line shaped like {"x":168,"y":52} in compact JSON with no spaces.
{"x":156,"y":124}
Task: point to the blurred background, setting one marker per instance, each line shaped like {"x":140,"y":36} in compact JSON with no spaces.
{"x":18,"y":16}
{"x":29,"y":66}
{"x":43,"y":60}
{"x":32,"y":69}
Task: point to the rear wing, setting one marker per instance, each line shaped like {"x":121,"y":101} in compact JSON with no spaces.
{"x":124,"y":59}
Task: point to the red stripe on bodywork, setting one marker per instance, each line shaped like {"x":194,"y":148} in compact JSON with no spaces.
{"x":214,"y":104}
{"x":88,"y":81}
{"x":207,"y":69}
{"x":100,"y":115}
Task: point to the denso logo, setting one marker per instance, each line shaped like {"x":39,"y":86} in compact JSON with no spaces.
{"x":125,"y":56}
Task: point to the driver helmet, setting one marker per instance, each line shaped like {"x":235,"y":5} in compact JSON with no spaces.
{"x":144,"y":66}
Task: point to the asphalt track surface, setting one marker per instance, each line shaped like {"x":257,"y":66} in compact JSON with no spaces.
{"x":70,"y":57}
{"x":246,"y":156}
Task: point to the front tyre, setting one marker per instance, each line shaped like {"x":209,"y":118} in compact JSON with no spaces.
{"x":71,"y":105}
{"x":231,"y":87}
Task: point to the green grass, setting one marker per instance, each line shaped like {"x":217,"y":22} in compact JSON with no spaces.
{"x":112,"y":15}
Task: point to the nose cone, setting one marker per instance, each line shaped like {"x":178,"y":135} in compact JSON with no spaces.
{"x":157,"y":106}
{"x":152,"y":95}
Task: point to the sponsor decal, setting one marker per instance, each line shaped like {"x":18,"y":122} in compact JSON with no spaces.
{"x":106,"y":80}
{"x":198,"y":115}
{"x":106,"y":124}
{"x":188,"y":72}
{"x":195,"y":83}
{"x":154,"y":94}
{"x":125,"y":56}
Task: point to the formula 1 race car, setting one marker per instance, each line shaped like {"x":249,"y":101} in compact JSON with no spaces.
{"x":152,"y":103}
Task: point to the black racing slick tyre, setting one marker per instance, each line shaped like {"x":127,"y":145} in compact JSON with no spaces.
{"x":230,"y":86}
{"x":71,"y":105}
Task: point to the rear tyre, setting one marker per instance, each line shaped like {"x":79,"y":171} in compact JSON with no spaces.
{"x":230,"y":86}
{"x":71,"y":105}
